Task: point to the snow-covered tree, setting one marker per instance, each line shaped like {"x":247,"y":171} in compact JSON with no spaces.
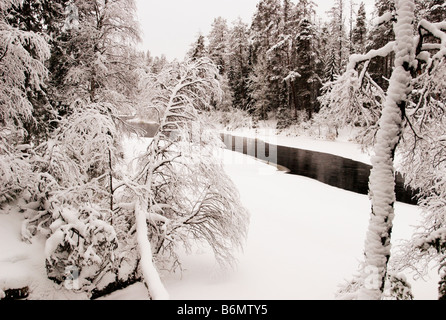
{"x":423,"y":152}
{"x":198,"y":48}
{"x":158,"y":64}
{"x":218,"y":52}
{"x":265,"y":23}
{"x":239,"y":68}
{"x":431,"y":10}
{"x":382,"y":176}
{"x":268,"y":46}
{"x":331,"y":67}
{"x":300,"y":68}
{"x":283,"y":46}
{"x":380,"y":34}
{"x":178,"y":198}
{"x":397,"y":288}
{"x":352,"y":99}
{"x":22,"y":57}
{"x":308,"y":82}
{"x":359,"y":32}
{"x":218,"y":40}
{"x":45,"y":17}
{"x":411,"y":96}
{"x":97,"y":61}
{"x":71,"y":200}
{"x":338,"y":34}
{"x":260,"y":91}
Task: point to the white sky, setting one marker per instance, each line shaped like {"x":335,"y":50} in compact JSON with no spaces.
{"x":171,"y":26}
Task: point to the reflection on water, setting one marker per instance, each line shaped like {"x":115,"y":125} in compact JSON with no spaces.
{"x":330,"y":169}
{"x":143,"y":129}
{"x":149,"y":129}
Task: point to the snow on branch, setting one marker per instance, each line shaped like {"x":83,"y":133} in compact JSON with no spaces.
{"x":279,"y":45}
{"x":386,"y":17}
{"x":6,"y":4}
{"x":184,"y":195}
{"x":356,"y":59}
{"x":438,"y":30}
{"x":292,"y":76}
{"x":17,"y":66}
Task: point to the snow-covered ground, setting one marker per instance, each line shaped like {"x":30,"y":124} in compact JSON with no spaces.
{"x":23,"y":264}
{"x":305,"y":239}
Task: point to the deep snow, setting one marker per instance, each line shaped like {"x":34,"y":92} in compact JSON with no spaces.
{"x":305,"y":239}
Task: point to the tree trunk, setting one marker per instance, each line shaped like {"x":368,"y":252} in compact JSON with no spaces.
{"x":382,"y":178}
{"x":442,"y":285}
{"x":151,"y":277}
{"x":294,"y":98}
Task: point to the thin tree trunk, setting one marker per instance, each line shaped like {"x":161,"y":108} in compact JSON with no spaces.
{"x":294,"y":96}
{"x":110,"y":164}
{"x":382,"y":178}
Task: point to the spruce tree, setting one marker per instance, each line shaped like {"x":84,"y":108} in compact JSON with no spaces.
{"x":198,"y":49}
{"x":268,"y":42}
{"x":217,"y":48}
{"x":436,"y":10}
{"x":239,"y":66}
{"x":306,"y":67}
{"x":381,"y":68}
{"x":46,"y":18}
{"x":359,"y":32}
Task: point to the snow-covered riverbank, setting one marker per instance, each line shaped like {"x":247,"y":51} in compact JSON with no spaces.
{"x":341,"y":147}
{"x":305,"y":239}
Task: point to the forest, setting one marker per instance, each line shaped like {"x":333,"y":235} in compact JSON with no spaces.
{"x":72,"y":74}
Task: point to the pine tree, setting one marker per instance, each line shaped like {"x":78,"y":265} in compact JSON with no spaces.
{"x":306,"y":83}
{"x":23,"y":54}
{"x":305,"y":59}
{"x":435,"y":10}
{"x":328,"y":53}
{"x":335,"y":49}
{"x":381,"y":68}
{"x":158,"y":64}
{"x":359,"y":32}
{"x":260,"y":91}
{"x":46,"y":18}
{"x":338,"y":33}
{"x":239,"y":66}
{"x":217,"y":48}
{"x":264,"y":27}
{"x":198,"y":48}
{"x":218,"y":39}
{"x":268,"y":46}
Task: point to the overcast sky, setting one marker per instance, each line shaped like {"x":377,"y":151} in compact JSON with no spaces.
{"x":170,"y":26}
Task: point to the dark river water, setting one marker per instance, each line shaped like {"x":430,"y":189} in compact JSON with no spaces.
{"x":330,"y":169}
{"x":144,"y":129}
